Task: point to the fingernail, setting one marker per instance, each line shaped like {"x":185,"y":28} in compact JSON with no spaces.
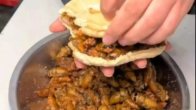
{"x":107,"y":40}
{"x":57,"y":26}
{"x":79,"y":65}
{"x":141,"y":66}
{"x":108,"y":72}
{"x":141,"y":63}
{"x":107,"y":75}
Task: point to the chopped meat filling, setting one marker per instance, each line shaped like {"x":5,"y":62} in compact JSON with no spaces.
{"x":88,"y":89}
{"x":94,"y":47}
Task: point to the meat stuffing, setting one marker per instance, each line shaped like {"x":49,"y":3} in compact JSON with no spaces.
{"x":130,"y":88}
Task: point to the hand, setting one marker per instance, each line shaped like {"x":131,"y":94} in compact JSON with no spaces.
{"x":142,"y":21}
{"x":57,"y":26}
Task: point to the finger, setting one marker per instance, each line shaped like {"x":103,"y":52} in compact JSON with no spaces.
{"x":109,"y":7}
{"x":125,"y":18}
{"x":57,"y":26}
{"x":168,"y":46}
{"x":108,"y":71}
{"x":141,"y":63}
{"x":168,"y":27}
{"x":79,"y":64}
{"x":149,"y":22}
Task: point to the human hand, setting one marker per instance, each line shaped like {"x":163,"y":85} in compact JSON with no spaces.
{"x":142,"y":21}
{"x":57,"y":26}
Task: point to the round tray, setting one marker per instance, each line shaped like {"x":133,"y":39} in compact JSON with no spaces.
{"x":30,"y":75}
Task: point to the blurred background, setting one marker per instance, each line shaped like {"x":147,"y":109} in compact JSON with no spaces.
{"x":8,"y":7}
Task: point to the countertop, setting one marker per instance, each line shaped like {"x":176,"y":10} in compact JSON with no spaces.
{"x":30,"y":24}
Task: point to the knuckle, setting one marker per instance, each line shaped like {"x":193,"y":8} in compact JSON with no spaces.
{"x":152,"y":23}
{"x":133,"y":11}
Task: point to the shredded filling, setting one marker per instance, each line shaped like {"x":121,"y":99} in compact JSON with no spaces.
{"x":130,"y":88}
{"x":94,"y":46}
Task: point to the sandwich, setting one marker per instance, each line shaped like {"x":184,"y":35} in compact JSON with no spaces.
{"x":87,"y":26}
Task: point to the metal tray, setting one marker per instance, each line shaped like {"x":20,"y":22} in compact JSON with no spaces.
{"x":30,"y":75}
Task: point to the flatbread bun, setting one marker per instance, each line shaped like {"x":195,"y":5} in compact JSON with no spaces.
{"x":128,"y":57}
{"x":87,"y":16}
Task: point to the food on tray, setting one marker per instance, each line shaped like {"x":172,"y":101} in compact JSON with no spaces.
{"x":130,"y":88}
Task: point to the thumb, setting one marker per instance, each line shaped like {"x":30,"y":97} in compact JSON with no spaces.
{"x":57,"y":26}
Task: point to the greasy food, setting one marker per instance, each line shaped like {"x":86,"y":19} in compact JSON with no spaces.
{"x":129,"y":89}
